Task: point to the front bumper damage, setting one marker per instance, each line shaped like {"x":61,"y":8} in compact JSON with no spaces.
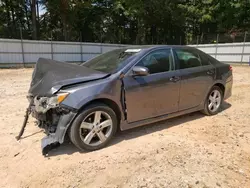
{"x":55,"y":120}
{"x":54,"y":139}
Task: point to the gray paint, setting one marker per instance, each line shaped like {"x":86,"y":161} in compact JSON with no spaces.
{"x":49,"y":76}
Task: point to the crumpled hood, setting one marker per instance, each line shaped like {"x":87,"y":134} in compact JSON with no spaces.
{"x":49,"y":76}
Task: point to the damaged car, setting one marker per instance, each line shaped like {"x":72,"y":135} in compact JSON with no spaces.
{"x":123,"y":89}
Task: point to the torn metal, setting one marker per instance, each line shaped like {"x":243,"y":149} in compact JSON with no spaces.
{"x":54,"y":119}
{"x":48,"y":78}
{"x":59,"y":90}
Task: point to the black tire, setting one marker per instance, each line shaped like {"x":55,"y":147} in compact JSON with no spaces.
{"x":74,"y":133}
{"x":206,"y":110}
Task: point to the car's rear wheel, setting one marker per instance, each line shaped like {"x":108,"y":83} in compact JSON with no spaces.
{"x":94,"y":127}
{"x":213,"y":101}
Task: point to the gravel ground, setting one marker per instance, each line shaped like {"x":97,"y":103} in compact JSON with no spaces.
{"x":189,"y":151}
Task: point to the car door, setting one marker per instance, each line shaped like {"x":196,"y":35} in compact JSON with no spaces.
{"x":208,"y":72}
{"x":195,"y":78}
{"x":155,"y":94}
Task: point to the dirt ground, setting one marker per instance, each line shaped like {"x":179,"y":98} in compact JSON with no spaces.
{"x":189,"y":151}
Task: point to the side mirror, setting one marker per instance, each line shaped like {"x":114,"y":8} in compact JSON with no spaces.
{"x":140,"y":71}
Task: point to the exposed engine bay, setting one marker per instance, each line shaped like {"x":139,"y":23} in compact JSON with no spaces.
{"x":47,"y":113}
{"x":50,"y":117}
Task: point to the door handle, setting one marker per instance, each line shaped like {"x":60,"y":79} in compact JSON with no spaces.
{"x":175,"y":79}
{"x":210,"y":72}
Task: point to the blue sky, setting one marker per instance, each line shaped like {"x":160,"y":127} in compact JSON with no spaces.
{"x":41,"y":10}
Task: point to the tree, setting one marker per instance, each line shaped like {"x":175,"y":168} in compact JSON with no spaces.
{"x":34,"y":25}
{"x":124,"y":21}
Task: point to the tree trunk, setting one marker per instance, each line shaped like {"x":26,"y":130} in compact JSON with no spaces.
{"x":64,"y":11}
{"x":34,"y":27}
{"x":38,"y":22}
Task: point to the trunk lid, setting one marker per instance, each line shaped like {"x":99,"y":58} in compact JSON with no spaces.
{"x":49,"y":76}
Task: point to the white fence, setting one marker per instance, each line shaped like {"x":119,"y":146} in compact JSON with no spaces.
{"x":21,"y":52}
{"x":229,"y":52}
{"x":14,"y":52}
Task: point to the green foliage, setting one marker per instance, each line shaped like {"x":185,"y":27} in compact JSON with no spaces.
{"x":124,"y":21}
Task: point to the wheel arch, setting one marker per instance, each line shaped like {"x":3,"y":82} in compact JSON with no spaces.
{"x":221,"y":86}
{"x":218,"y":84}
{"x":110,"y":103}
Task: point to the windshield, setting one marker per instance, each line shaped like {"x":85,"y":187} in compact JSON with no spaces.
{"x":111,"y":61}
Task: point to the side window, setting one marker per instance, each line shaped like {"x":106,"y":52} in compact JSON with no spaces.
{"x":187,"y":59}
{"x":158,"y":61}
{"x":204,"y":59}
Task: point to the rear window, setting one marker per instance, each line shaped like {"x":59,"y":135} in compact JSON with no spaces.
{"x":204,"y":58}
{"x":208,"y":59}
{"x":187,"y":59}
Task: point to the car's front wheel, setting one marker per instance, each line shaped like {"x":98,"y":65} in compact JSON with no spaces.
{"x":213,"y":101}
{"x":94,"y":127}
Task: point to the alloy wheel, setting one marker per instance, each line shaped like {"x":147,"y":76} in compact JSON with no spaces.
{"x":214,"y":101}
{"x":96,"y":128}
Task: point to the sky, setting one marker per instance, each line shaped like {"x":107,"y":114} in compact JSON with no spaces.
{"x":42,"y":10}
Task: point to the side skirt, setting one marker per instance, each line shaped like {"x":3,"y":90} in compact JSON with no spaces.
{"x":125,"y":126}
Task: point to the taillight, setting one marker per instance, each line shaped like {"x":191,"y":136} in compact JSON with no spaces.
{"x":230,"y":68}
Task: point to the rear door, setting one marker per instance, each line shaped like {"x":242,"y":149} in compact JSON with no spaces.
{"x":196,"y":77}
{"x":208,"y":70}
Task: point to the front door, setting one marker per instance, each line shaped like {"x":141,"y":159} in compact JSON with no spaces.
{"x":155,"y":94}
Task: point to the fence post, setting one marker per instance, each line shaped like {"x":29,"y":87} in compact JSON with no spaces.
{"x":101,"y":44}
{"x":197,"y":42}
{"x":21,"y":35}
{"x":81,"y":47}
{"x":243,"y":48}
{"x":216,"y":48}
{"x":51,"y":43}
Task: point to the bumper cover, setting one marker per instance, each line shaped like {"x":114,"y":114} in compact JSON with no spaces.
{"x":55,"y":139}
{"x":228,"y":89}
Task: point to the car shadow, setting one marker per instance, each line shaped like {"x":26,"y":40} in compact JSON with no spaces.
{"x":68,"y":148}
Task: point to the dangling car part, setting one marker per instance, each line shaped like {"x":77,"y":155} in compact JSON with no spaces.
{"x":25,"y":121}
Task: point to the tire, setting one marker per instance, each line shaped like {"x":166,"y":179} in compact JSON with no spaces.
{"x":218,"y":101}
{"x":80,"y":132}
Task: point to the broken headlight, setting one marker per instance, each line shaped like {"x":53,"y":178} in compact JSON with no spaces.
{"x":57,"y":99}
{"x":43,"y":104}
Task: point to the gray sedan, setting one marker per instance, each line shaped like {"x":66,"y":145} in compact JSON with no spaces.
{"x":123,"y":89}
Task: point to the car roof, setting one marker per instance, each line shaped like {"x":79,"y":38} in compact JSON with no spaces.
{"x":157,"y":46}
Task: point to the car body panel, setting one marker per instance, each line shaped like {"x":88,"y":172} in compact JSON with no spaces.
{"x":82,"y":94}
{"x":49,"y":76}
{"x":195,"y":82}
{"x":58,"y":137}
{"x":228,"y":89}
{"x":125,"y":125}
{"x":194,"y":86}
{"x":144,"y":93}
